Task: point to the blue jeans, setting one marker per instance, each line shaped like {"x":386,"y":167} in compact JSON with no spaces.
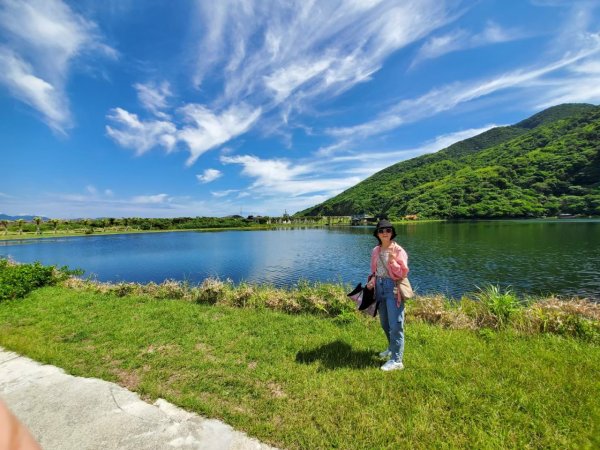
{"x":391,"y":316}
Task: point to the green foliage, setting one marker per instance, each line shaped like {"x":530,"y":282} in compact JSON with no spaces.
{"x":501,"y":305}
{"x":136,"y":224}
{"x":579,"y":319}
{"x":17,"y":280}
{"x":542,"y":166}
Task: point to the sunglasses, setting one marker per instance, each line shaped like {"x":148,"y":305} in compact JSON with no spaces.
{"x":384,"y":230}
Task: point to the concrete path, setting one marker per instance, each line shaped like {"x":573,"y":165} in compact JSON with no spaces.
{"x":66,"y":412}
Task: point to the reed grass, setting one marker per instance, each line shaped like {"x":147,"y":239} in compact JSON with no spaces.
{"x":488,"y":308}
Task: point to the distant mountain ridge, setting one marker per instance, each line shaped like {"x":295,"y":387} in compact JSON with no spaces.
{"x":546,"y":164}
{"x":25,"y":217}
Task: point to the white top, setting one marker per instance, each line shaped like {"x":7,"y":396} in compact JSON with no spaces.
{"x":381,"y":268}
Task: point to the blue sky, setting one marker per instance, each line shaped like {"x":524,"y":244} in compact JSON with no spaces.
{"x":201,"y":108}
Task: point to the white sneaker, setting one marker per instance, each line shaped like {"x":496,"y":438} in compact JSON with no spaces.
{"x":392,"y":365}
{"x":385,"y":354}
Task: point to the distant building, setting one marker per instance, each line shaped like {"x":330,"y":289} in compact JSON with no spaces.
{"x":362,"y":219}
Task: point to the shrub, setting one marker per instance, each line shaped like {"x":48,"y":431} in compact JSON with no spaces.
{"x":17,"y":280}
{"x":578,"y":318}
{"x":500,"y":305}
{"x":213,"y":291}
{"x":438,"y":310}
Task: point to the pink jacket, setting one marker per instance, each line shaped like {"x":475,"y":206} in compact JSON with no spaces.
{"x":398,"y":267}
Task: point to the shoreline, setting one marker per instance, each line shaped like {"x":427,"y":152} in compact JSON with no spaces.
{"x":29,"y":235}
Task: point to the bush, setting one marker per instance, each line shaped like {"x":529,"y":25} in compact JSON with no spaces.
{"x":17,"y":280}
{"x":213,"y":291}
{"x":578,"y":318}
{"x":500,"y":305}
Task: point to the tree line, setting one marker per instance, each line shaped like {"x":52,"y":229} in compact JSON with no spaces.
{"x":89,"y":226}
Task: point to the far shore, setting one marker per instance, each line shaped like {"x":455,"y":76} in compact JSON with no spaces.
{"x":50,"y":234}
{"x":46,"y":234}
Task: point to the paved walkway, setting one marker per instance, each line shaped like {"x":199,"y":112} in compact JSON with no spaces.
{"x":66,"y":412}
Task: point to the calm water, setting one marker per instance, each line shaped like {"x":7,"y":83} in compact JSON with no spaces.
{"x":533,"y":257}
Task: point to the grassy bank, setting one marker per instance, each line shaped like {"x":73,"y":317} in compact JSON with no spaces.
{"x":311,"y":380}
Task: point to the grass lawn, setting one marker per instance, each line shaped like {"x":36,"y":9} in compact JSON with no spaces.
{"x":302,"y":381}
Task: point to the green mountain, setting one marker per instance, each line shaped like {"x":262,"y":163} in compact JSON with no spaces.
{"x":545,"y":165}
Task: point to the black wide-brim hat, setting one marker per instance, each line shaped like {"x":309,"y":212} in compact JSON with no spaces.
{"x":384,"y":223}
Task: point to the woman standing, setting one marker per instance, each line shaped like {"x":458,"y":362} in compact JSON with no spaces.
{"x":389,"y":264}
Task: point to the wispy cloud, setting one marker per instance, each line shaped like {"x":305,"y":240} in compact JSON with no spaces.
{"x":583,"y":85}
{"x":288,"y":53}
{"x":273,"y":177}
{"x":131,"y":132}
{"x":461,"y":39}
{"x":367,"y":162}
{"x":279,"y":55}
{"x":207,"y":130}
{"x":42,"y":38}
{"x":225,"y":193}
{"x":151,"y":199}
{"x":209,"y":175}
{"x":154,"y":97}
{"x":449,"y":96}
{"x":17,"y":76}
{"x":200,"y":129}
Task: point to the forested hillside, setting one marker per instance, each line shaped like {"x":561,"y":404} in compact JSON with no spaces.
{"x":545,"y":165}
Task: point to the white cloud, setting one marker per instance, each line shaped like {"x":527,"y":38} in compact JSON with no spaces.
{"x":209,"y":175}
{"x":42,"y":38}
{"x":140,"y":135}
{"x":151,"y":199}
{"x":297,"y":50}
{"x":91,"y":195}
{"x":220,"y":194}
{"x":582,"y":87}
{"x":17,"y":75}
{"x":554,"y":3}
{"x":52,"y":204}
{"x":204,"y":129}
{"x":154,"y":97}
{"x":367,"y":162}
{"x":308,"y":50}
{"x":286,"y":79}
{"x":278,"y":176}
{"x":461,"y":39}
{"x":207,"y":130}
{"x":448,"y":97}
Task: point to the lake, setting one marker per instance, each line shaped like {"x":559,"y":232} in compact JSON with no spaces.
{"x":531,"y":256}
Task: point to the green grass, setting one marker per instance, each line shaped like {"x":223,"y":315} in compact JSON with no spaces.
{"x":305,"y":381}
